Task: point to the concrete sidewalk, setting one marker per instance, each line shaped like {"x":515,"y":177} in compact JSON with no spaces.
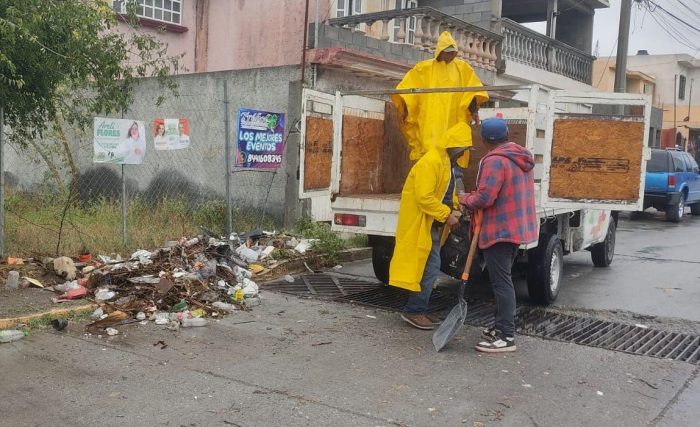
{"x":303,"y":362}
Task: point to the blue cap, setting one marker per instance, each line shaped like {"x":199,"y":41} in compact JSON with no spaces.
{"x":494,"y":130}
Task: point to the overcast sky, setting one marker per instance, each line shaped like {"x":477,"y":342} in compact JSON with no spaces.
{"x":645,"y":32}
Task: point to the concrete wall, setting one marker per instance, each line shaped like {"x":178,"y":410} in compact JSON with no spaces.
{"x":198,"y":172}
{"x":477,"y":12}
{"x":575,"y":29}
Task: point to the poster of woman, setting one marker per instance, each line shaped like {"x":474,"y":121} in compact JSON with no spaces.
{"x":119,"y":141}
{"x":171,"y":134}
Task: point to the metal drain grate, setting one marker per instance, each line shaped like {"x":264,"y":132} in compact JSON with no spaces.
{"x":390,"y":298}
{"x":534,"y":321}
{"x":322,"y":285}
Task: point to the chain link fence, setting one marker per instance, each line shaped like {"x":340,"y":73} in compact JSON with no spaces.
{"x":57,"y":201}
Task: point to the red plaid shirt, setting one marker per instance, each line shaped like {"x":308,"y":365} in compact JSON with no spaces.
{"x":506,"y":193}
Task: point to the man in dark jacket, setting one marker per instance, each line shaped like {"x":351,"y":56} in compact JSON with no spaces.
{"x":505,"y":193}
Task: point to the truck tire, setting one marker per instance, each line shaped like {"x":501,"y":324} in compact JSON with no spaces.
{"x":695,"y":209}
{"x":545,"y":269}
{"x":381,"y":258}
{"x":602,"y":253}
{"x":674,"y":213}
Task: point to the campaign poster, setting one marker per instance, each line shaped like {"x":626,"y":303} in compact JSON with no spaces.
{"x":260,"y":139}
{"x":119,"y":141}
{"x":171,"y":134}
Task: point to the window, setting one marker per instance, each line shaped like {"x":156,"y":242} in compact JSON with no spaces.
{"x":348,"y":7}
{"x":658,"y":161}
{"x":690,"y":163}
{"x":169,"y":11}
{"x":648,"y":88}
{"x":410,"y":23}
{"x":678,"y":161}
{"x":681,"y":87}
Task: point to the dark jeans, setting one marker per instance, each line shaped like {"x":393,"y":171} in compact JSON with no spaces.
{"x":499,"y":261}
{"x":418,"y":301}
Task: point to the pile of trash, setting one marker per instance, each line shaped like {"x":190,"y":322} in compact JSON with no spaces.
{"x":182,"y":284}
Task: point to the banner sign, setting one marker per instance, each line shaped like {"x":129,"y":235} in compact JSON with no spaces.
{"x":260,"y":139}
{"x":171,"y":134}
{"x":119,"y":141}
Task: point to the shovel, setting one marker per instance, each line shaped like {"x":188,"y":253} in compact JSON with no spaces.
{"x":449,"y":327}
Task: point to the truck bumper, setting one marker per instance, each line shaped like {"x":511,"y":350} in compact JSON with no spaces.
{"x":660,"y":199}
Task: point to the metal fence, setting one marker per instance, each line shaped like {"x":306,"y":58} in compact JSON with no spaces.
{"x":57,"y":201}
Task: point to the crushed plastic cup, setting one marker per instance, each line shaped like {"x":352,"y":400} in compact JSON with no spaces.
{"x":194,"y":322}
{"x":289,"y":278}
{"x":140,"y":315}
{"x":12,"y":280}
{"x":250,"y":288}
{"x":162,"y":318}
{"x":247,"y":254}
{"x":112,"y":332}
{"x":104,"y":294}
{"x":97,"y":314}
{"x":224,"y":306}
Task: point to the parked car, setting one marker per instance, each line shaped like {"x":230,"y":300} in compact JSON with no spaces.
{"x":672,"y":183}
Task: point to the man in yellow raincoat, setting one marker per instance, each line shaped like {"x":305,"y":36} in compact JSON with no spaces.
{"x":424,"y":118}
{"x":427,"y":201}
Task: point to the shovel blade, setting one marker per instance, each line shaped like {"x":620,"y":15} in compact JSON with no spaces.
{"x":449,"y":327}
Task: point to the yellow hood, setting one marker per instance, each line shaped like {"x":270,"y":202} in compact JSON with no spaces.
{"x":446,"y":40}
{"x":459,"y":135}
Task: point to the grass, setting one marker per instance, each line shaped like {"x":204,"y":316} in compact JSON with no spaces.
{"x":33,"y":223}
{"x":330,"y":243}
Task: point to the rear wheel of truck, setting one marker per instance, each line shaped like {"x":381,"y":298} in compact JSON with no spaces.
{"x":602,"y":253}
{"x":674,"y":213}
{"x":381,"y":258}
{"x":545,"y":269}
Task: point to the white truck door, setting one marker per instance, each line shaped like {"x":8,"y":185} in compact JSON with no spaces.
{"x":595,"y":157}
{"x":316,"y":154}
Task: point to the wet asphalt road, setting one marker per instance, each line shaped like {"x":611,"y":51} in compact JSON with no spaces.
{"x":298,"y":362}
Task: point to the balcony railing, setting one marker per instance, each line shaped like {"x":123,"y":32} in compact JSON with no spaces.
{"x":476,"y":45}
{"x":539,"y":51}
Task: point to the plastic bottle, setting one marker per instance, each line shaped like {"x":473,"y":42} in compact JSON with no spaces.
{"x":194,"y":322}
{"x":225,"y":306}
{"x":12,"y":280}
{"x":10,"y":335}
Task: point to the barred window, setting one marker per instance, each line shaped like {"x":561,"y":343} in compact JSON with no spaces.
{"x":169,"y":11}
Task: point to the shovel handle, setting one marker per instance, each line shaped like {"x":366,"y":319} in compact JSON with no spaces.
{"x":478,"y":216}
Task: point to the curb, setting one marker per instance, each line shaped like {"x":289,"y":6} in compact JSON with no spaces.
{"x":11,"y":322}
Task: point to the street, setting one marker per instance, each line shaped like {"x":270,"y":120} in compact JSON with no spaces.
{"x":294,"y":361}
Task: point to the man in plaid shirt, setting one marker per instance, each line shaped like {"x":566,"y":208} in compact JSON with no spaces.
{"x":505,"y":192}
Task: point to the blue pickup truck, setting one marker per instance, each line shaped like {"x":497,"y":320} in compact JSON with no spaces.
{"x":672,"y":183}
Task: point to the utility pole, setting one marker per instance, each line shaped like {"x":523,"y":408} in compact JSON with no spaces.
{"x":552,"y":12}
{"x":622,"y":45}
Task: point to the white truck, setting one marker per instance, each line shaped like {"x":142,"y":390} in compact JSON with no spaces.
{"x":589,"y":166}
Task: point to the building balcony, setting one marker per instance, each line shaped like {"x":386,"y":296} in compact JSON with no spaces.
{"x":531,"y":48}
{"x":419,"y":29}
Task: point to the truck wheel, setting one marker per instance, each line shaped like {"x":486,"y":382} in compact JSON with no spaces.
{"x":545,"y":269}
{"x":381,"y":258}
{"x":695,"y":209}
{"x":602,"y":253}
{"x":674,"y":213}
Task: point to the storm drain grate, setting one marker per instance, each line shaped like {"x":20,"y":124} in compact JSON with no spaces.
{"x":395,"y":299}
{"x":534,"y":321}
{"x":322,"y":285}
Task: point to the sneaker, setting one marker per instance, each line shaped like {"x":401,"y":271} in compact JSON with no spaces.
{"x":490,"y":334}
{"x":433,"y":319}
{"x":418,"y":320}
{"x":501,"y":344}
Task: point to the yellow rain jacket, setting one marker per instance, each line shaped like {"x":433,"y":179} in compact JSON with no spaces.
{"x":429,"y":116}
{"x":421,"y":204}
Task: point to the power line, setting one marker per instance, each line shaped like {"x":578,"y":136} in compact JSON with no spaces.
{"x":675,"y":17}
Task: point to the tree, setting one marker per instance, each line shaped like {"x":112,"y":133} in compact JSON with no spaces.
{"x":61,"y":61}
